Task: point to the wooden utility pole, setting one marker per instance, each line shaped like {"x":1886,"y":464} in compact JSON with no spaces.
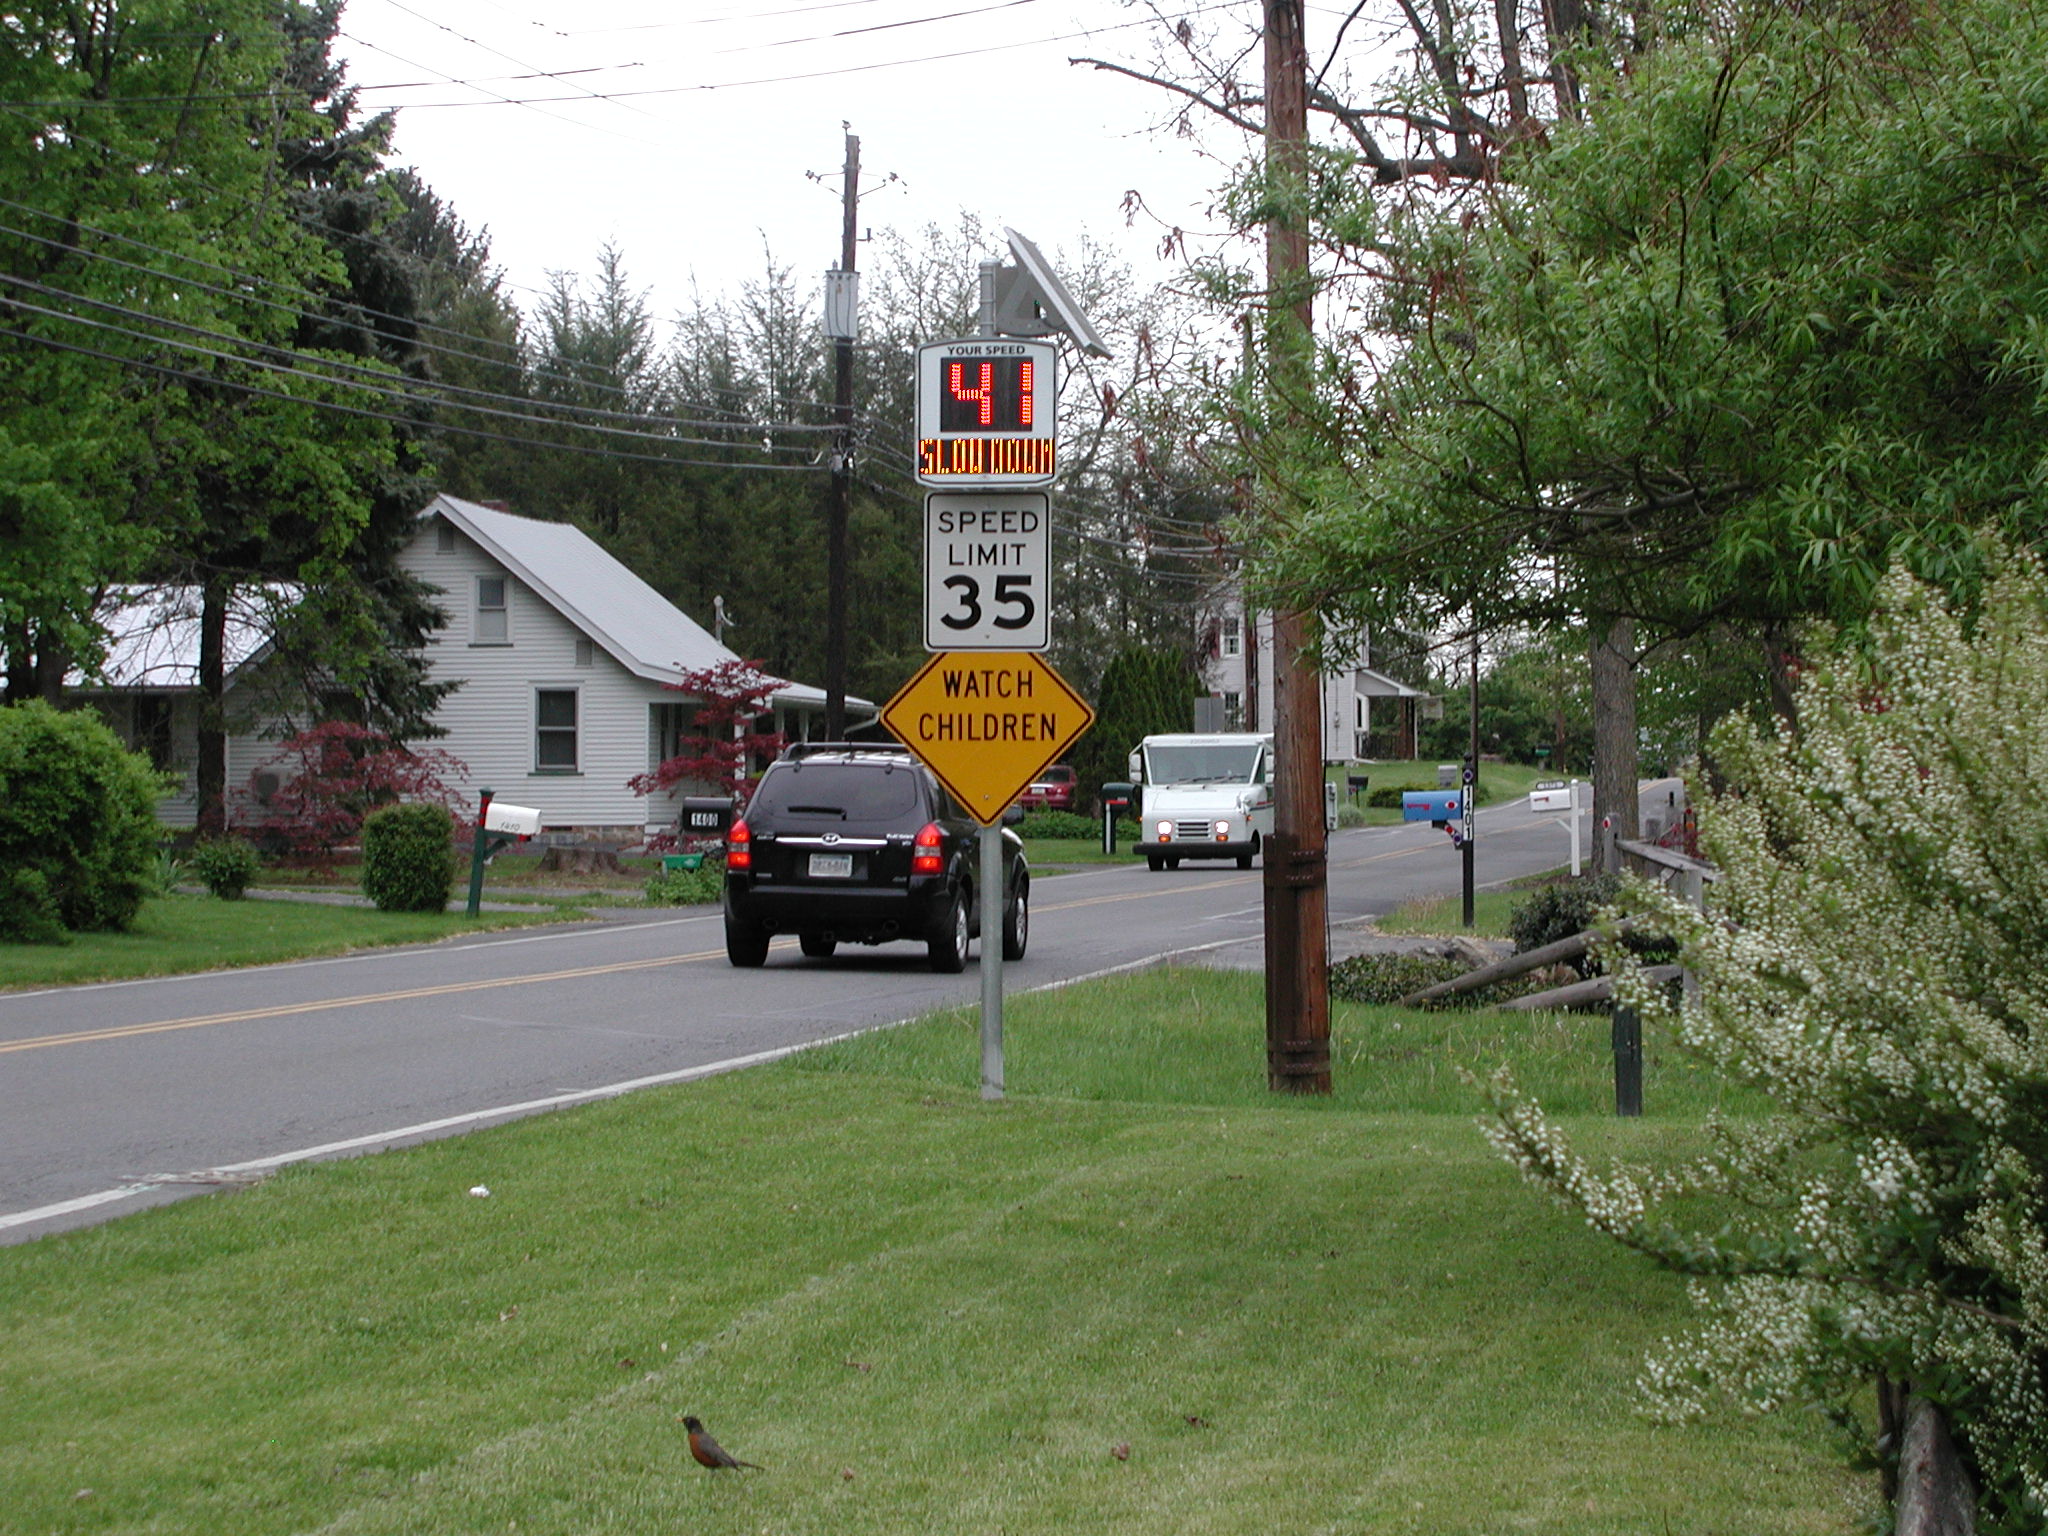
{"x":839,"y":496}
{"x":1297,"y":888}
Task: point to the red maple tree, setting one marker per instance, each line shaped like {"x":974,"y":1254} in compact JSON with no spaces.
{"x":723,"y":742}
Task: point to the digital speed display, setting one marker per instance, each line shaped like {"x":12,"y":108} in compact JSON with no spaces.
{"x":987,"y":394}
{"x":986,"y":412}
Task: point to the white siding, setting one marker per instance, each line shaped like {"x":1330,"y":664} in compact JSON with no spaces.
{"x":490,"y":719}
{"x":250,"y":744}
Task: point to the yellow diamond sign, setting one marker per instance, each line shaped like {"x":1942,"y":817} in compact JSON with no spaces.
{"x":987,"y":722}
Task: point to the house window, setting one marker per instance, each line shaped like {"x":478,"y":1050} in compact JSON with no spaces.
{"x":1233,"y":711}
{"x":554,"y":730}
{"x":444,"y":537}
{"x":586,"y":651}
{"x":493,"y":610}
{"x":153,"y":734}
{"x":1233,"y":635}
{"x":674,"y":724}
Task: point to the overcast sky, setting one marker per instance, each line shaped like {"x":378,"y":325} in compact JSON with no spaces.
{"x":686,"y":132}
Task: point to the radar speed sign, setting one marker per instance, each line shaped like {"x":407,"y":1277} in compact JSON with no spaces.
{"x":987,"y":412}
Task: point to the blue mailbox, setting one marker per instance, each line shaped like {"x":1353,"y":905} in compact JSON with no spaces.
{"x":1432,"y":805}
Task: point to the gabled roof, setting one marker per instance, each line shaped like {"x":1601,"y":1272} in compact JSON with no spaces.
{"x":639,"y":628}
{"x":153,"y":635}
{"x":1377,"y":685}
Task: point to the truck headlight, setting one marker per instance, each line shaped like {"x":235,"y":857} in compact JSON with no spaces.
{"x":1222,"y":830}
{"x":1165,"y":831}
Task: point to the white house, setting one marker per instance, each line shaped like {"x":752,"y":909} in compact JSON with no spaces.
{"x":147,"y":688}
{"x":1366,"y":714}
{"x":564,"y":659}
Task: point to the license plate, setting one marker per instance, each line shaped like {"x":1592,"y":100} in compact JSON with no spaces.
{"x":831,"y":866}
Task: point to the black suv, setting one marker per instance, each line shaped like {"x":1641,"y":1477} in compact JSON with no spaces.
{"x":848,"y":843}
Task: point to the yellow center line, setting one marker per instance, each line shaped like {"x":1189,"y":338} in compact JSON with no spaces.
{"x":1392,"y":853}
{"x":1164,"y":890}
{"x":411,"y":994}
{"x":368,"y":999}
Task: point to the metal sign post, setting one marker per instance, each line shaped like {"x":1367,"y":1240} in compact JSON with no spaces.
{"x":986,"y":441}
{"x":991,"y":962}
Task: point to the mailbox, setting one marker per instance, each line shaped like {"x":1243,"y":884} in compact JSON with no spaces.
{"x":1552,"y":795}
{"x":512,"y":820}
{"x":1436,"y":806}
{"x":705,"y":816}
{"x":1117,"y":795}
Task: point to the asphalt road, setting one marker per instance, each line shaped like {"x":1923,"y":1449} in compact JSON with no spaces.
{"x":118,"y":1096}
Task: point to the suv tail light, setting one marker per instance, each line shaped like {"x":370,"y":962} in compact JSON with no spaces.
{"x":739,"y":847}
{"x":925,"y":855}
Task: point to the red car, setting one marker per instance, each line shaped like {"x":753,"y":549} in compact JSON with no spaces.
{"x":1052,"y":790}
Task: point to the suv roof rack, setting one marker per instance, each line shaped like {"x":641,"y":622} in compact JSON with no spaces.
{"x":798,"y":750}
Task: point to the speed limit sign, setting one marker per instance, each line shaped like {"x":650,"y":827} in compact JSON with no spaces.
{"x":987,"y":568}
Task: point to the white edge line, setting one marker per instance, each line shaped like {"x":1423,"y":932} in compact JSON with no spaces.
{"x":533,"y":1106}
{"x":411,"y":1132}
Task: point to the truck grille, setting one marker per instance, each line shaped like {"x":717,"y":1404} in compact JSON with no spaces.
{"x":1191,"y":831}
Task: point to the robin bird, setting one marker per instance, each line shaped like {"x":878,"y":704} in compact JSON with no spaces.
{"x":708,"y":1452}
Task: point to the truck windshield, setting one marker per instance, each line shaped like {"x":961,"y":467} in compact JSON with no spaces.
{"x":1232,"y":763}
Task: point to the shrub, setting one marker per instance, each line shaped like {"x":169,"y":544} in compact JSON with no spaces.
{"x":1349,"y":816}
{"x":171,"y":869}
{"x":1386,"y":798}
{"x":1872,"y":961}
{"x":1059,"y":824}
{"x":1558,"y":911}
{"x":1386,"y":979}
{"x":334,"y":775}
{"x":78,"y":831}
{"x":1572,"y":906}
{"x":722,"y":740}
{"x":225,"y":865}
{"x":686,"y":887}
{"x":1389,"y":978}
{"x":28,"y":912}
{"x":409,"y":858}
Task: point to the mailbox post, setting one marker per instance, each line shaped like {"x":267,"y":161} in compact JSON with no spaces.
{"x":1116,"y":796}
{"x":497,"y":828}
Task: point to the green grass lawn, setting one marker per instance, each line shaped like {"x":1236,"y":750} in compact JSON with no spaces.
{"x":175,"y":934}
{"x":1498,"y":783}
{"x":1446,"y":914}
{"x":1139,"y":1295}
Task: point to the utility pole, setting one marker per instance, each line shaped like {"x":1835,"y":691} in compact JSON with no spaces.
{"x":1468,"y":798}
{"x":839,"y":495}
{"x":1297,"y":891}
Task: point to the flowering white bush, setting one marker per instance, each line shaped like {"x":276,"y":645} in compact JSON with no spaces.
{"x":1875,"y":958}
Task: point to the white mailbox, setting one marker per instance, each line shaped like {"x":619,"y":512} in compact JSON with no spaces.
{"x":1554,"y":796}
{"x":516,"y":820}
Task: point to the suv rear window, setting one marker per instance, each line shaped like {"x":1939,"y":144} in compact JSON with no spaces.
{"x":839,"y":792}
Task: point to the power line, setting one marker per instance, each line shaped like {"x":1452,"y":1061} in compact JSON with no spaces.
{"x":246,"y":283}
{"x":503,"y":100}
{"x":254,"y":353}
{"x":83,"y":103}
{"x":236,"y":386}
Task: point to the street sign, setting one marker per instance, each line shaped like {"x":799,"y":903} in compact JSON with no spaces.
{"x":987,"y":570}
{"x":987,"y":412}
{"x":987,"y":724}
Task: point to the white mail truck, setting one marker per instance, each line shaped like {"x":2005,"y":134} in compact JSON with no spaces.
{"x":1203,"y":797}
